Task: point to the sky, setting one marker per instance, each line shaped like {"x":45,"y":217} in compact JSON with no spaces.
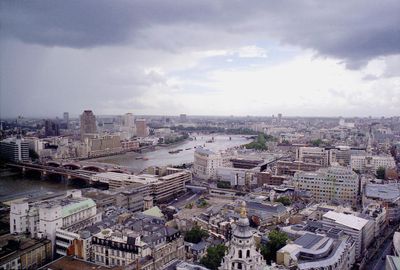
{"x":209,"y":57}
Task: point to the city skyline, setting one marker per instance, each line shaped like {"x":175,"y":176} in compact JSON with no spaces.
{"x":158,"y":58}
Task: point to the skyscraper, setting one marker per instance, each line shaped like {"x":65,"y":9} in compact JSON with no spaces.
{"x":183,"y":118}
{"x":128,"y":120}
{"x":88,"y":123}
{"x":66,"y":119}
{"x":51,"y":128}
{"x":141,"y":128}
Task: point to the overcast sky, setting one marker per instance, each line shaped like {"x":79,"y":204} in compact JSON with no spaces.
{"x":208,"y":57}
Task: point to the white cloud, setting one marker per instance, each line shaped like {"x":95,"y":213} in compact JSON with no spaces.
{"x":251,"y":52}
{"x":304,"y":85}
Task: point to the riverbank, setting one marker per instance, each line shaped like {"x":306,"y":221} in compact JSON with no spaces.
{"x":16,"y":186}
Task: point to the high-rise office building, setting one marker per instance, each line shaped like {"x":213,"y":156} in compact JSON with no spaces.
{"x":183,"y":118}
{"x":141,"y":128}
{"x":51,"y":128}
{"x":14,"y":149}
{"x":66,"y":119}
{"x":128,"y":120}
{"x":327,"y":184}
{"x":88,"y":123}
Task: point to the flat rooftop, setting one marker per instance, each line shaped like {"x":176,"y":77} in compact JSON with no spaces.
{"x":346,"y":220}
{"x":383,"y":191}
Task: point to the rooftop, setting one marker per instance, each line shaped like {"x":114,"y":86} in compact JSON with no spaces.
{"x":383,"y":191}
{"x":154,"y":212}
{"x":204,"y":151}
{"x":346,"y":220}
{"x":70,"y":263}
{"x":393,"y":261}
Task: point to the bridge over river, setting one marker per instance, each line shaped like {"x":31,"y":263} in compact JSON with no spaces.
{"x":82,"y":170}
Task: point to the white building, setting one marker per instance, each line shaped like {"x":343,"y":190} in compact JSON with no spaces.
{"x":128,"y":128}
{"x":206,"y":163}
{"x":369,"y":163}
{"x":334,"y":251}
{"x":42,"y":218}
{"x":236,"y":176}
{"x":114,"y":248}
{"x":128,"y":120}
{"x":14,"y":149}
{"x":79,"y":242}
{"x":360,"y":229}
{"x":327,"y":184}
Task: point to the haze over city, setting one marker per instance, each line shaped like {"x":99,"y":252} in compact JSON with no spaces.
{"x":302,"y":58}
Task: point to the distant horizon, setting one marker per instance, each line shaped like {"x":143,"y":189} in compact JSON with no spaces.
{"x":200,"y":57}
{"x":73,"y":116}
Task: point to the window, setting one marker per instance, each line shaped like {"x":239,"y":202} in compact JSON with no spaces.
{"x":240,"y":254}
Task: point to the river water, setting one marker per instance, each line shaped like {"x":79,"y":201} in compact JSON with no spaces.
{"x":22,"y":186}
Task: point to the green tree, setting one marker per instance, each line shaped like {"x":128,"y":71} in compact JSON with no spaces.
{"x":380,"y":173}
{"x":212,"y":260}
{"x":33,"y":155}
{"x":195,"y":235}
{"x":317,"y":142}
{"x":284,"y":200}
{"x":260,"y":141}
{"x":223,"y":184}
{"x":277,"y":240}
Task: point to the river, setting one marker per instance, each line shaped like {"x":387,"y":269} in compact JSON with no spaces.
{"x":162,"y":157}
{"x":15,"y":186}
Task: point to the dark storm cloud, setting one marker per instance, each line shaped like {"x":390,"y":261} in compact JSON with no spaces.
{"x":354,"y":31}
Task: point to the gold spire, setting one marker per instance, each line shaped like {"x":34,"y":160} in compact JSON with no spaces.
{"x":243,"y":210}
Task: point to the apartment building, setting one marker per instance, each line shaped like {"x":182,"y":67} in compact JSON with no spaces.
{"x":112,"y":247}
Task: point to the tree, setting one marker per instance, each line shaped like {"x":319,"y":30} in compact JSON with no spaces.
{"x":33,"y":155}
{"x":195,"y":235}
{"x":284,"y":200}
{"x":223,"y":184}
{"x":317,"y":142}
{"x":380,"y":173}
{"x":212,"y":260}
{"x":277,"y":240}
{"x":259,"y":142}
